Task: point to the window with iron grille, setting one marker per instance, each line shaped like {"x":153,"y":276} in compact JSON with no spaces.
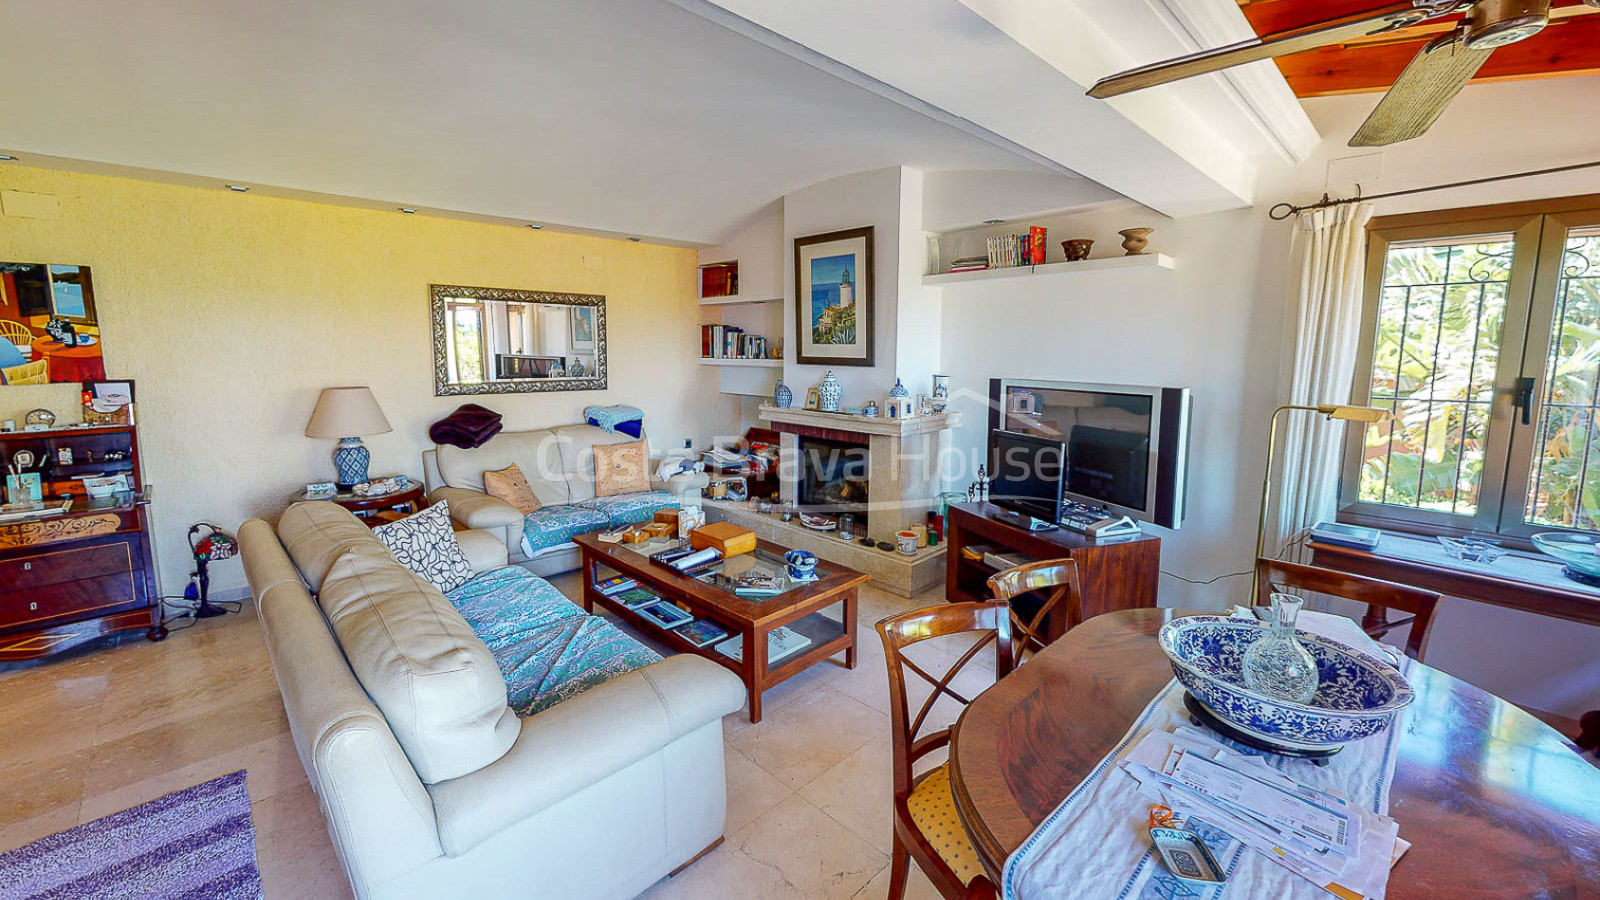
{"x":1482,"y":336}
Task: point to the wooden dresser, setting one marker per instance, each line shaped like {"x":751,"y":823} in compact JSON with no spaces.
{"x":1120,"y":573}
{"x":71,"y":578}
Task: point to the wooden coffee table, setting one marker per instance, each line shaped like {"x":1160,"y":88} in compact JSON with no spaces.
{"x":748,"y":619}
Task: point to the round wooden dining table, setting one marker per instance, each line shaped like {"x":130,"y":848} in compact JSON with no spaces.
{"x":1495,"y":803}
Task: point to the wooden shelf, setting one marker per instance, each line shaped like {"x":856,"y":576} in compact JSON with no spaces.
{"x":753,"y":363}
{"x":1109,"y":264}
{"x":737,"y":300}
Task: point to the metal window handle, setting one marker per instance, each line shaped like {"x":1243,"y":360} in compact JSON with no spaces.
{"x":1523,"y":399}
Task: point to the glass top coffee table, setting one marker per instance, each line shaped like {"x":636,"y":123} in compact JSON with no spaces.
{"x":770,"y":638}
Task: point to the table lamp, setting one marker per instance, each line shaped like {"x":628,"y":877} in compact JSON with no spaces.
{"x":347,"y":413}
{"x":1364,"y":414}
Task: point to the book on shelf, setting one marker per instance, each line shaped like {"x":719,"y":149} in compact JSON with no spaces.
{"x":782,"y":642}
{"x":635,"y":598}
{"x":616,"y":584}
{"x":703,"y":632}
{"x":731,"y":342}
{"x":666,"y":615}
{"x":1022,"y":249}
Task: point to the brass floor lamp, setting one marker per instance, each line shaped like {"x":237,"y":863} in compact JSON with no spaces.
{"x":1364,"y":414}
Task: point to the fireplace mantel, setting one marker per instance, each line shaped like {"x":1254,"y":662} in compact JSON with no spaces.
{"x":864,"y":425}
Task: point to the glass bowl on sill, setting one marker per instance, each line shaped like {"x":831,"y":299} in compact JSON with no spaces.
{"x":1472,"y":548}
{"x":1581,"y":553}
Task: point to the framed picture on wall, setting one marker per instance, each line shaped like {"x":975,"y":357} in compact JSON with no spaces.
{"x":582,"y":328}
{"x":833,"y":298}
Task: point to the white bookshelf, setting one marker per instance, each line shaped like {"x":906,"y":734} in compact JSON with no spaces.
{"x":1148,"y":261}
{"x":751,"y":363}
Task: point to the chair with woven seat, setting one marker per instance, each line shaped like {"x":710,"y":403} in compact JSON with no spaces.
{"x":16,"y":332}
{"x":926,"y":826}
{"x":1057,"y":576}
{"x":1379,"y":596}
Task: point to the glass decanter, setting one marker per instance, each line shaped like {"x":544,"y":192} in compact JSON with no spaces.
{"x":1276,"y":664}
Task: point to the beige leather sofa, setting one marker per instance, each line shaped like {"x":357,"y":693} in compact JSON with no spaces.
{"x":431,"y":786}
{"x":559,"y":465}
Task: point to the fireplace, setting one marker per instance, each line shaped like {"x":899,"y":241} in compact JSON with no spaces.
{"x":832,"y":474}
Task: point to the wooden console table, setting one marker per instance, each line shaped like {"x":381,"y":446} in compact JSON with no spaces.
{"x":1119,"y":573}
{"x":1531,"y":584}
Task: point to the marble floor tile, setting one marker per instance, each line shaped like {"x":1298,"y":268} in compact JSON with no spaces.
{"x":814,"y":853}
{"x":293,"y":850}
{"x":918,"y":887}
{"x":858,"y":793}
{"x":751,"y":790}
{"x":800,"y":741}
{"x":272,"y":764}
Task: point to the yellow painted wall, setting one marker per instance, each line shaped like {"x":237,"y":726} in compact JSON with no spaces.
{"x":231,"y":312}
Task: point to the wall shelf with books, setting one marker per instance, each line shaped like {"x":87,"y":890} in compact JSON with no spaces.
{"x":758,"y":363}
{"x":737,"y":301}
{"x":1146,"y":261}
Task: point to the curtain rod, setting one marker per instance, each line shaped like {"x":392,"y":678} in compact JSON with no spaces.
{"x":1289,"y":209}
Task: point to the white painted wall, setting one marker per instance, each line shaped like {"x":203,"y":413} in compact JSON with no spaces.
{"x":1218,"y":325}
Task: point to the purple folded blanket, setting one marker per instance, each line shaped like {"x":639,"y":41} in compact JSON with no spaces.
{"x":469,"y":426}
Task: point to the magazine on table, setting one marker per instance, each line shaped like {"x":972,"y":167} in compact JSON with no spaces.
{"x":782,"y":642}
{"x":635,"y":598}
{"x":703,"y":632}
{"x":665,"y":614}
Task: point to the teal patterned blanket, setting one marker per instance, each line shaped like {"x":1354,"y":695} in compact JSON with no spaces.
{"x":548,"y":649}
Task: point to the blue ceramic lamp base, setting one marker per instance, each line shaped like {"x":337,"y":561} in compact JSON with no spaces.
{"x":350,"y":459}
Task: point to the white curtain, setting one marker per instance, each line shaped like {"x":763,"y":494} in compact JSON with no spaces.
{"x":1327,"y":332}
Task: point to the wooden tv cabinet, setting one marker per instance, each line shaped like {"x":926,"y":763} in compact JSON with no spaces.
{"x":1119,"y":573}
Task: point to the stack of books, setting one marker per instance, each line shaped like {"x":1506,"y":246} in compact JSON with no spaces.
{"x":731,"y":342}
{"x":1021,"y":249}
{"x":615,"y":585}
{"x":970,"y":264}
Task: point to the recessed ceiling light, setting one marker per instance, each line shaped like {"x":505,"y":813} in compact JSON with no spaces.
{"x":636,"y":240}
{"x":239,"y":188}
{"x":408,"y":210}
{"x":994,"y":221}
{"x":535,"y":226}
{"x":7,"y":157}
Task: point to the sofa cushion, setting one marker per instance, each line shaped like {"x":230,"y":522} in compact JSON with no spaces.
{"x":425,"y":543}
{"x":317,"y":532}
{"x":537,"y":453}
{"x":621,"y":468}
{"x":547,"y":647}
{"x":577,"y":443}
{"x":626,"y":509}
{"x":552,"y":526}
{"x":510,"y":485}
{"x":436,"y":682}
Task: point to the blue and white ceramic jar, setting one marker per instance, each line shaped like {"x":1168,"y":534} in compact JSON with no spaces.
{"x":898,"y":391}
{"x":782,"y":397}
{"x":829,"y":393}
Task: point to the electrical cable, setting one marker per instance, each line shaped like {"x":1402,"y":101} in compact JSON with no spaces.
{"x":1207,"y":581}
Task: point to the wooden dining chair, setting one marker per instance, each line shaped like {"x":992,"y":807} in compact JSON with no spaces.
{"x":1379,"y":596}
{"x":926,"y":826}
{"x":1057,"y":576}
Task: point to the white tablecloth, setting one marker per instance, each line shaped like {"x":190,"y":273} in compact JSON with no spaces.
{"x":1096,"y":845}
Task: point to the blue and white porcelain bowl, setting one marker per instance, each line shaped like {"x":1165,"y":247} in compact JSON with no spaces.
{"x":1358,"y":697}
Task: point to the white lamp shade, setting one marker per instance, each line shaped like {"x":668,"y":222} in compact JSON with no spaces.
{"x":346,"y":412}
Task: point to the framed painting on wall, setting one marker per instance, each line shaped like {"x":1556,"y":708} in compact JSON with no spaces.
{"x":833,"y":298}
{"x":49,"y":327}
{"x":582,"y":328}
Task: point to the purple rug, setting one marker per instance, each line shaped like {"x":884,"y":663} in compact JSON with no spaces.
{"x":192,"y":844}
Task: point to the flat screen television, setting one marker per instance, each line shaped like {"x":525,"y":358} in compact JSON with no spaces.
{"x":1126,"y":446}
{"x":1026,"y":476}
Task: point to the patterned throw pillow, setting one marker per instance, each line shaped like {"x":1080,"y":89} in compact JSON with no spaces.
{"x":510,"y":485}
{"x":426,"y":544}
{"x":621,"y":468}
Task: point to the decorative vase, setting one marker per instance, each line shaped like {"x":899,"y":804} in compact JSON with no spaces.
{"x":829,"y":393}
{"x":1077,"y":249}
{"x":1134,"y":240}
{"x":350,"y":458}
{"x":898,"y":391}
{"x":1276,"y":664}
{"x":782,"y":397}
{"x":941,"y":393}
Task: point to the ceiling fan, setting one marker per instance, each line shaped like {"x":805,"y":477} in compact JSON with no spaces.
{"x":1430,"y":81}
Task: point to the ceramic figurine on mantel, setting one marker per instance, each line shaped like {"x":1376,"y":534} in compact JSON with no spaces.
{"x":782,"y":397}
{"x":829,"y":393}
{"x":941,"y":393}
{"x":899,"y":405}
{"x":1134,"y":240}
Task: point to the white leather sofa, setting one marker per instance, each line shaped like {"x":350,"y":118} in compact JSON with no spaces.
{"x":431,"y":786}
{"x":559,"y":465}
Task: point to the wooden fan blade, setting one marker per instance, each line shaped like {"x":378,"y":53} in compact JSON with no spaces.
{"x":1430,"y":81}
{"x":1282,"y":43}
